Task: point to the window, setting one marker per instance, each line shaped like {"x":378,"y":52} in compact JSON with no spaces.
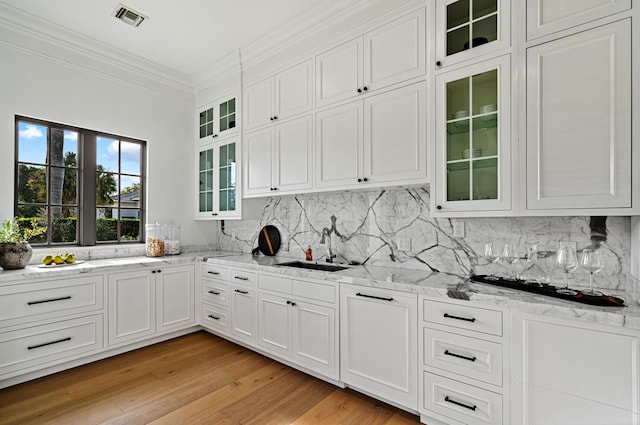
{"x":86,"y":187}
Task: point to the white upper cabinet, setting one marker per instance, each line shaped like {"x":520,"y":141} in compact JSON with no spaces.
{"x":549,"y":16}
{"x":278,"y":159}
{"x":284,"y":95}
{"x":217,"y":119}
{"x":390,"y":54}
{"x":373,"y":142}
{"x":466,"y":29}
{"x":578,"y":140}
{"x":473,"y":140}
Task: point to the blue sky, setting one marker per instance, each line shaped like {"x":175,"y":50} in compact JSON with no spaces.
{"x":32,"y":147}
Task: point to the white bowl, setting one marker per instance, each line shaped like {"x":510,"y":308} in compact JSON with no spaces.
{"x":487,"y":108}
{"x":460,"y":114}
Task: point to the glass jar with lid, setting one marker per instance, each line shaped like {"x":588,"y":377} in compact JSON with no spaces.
{"x":172,"y":239}
{"x":154,"y":240}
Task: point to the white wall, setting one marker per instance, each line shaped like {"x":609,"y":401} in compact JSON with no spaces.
{"x":36,"y":84}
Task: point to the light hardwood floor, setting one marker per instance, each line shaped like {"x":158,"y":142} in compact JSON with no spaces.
{"x":195,"y":379}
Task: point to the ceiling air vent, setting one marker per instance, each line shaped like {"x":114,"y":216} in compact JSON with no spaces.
{"x":129,"y":16}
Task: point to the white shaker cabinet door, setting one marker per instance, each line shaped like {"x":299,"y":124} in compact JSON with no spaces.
{"x":378,"y":343}
{"x":549,"y":16}
{"x":258,"y":165}
{"x":339,"y":73}
{"x":338,"y":145}
{"x":132,"y":306}
{"x":176,"y":297}
{"x":395,"y":141}
{"x":293,"y":155}
{"x":579,"y":121}
{"x":567,"y":374}
{"x":294,"y":90}
{"x":259,"y":103}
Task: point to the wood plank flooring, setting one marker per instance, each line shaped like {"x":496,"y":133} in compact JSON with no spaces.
{"x":195,"y":379}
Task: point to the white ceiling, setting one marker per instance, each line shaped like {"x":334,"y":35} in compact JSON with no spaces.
{"x":184,"y":35}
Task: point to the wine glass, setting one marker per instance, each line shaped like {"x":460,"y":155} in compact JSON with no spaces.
{"x":510,"y":255}
{"x":567,"y":261}
{"x":491,"y":254}
{"x":591,"y":261}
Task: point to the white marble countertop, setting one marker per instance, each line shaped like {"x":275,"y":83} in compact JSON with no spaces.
{"x":439,"y":285}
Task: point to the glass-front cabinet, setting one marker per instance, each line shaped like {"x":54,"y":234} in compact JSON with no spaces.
{"x":473,"y":139}
{"x":469,"y":28}
{"x":217,"y":119}
{"x":217,"y":196}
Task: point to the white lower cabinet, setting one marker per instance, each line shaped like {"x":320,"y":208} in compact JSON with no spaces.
{"x":296,"y":329}
{"x":243,"y":306}
{"x":378,"y":343}
{"x":146,"y":303}
{"x":568,"y":372}
{"x":462,"y":363}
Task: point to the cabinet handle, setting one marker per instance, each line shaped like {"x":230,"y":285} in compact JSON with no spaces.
{"x":438,"y":63}
{"x":275,"y":118}
{"x":242,"y":292}
{"x":291,"y":303}
{"x":359,"y":90}
{"x":359,"y":180}
{"x":241,"y":278}
{"x":466,"y":319}
{"x":218,"y":293}
{"x":438,"y":207}
{"x":365,"y":88}
{"x":213,"y":273}
{"x":211,"y":316}
{"x":159,"y":271}
{"x":49,"y":300}
{"x":457,"y":403}
{"x":460,"y":356}
{"x":365,"y":179}
{"x":214,"y":214}
{"x":153,"y":271}
{"x":271,"y":118}
{"x":374,"y":297}
{"x":57,"y":341}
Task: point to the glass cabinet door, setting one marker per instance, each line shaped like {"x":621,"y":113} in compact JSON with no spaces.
{"x":227,"y":118}
{"x":472,"y":137}
{"x":464,"y":25}
{"x":205,"y":175}
{"x":227,"y":178}
{"x":206,"y":123}
{"x":473,"y":143}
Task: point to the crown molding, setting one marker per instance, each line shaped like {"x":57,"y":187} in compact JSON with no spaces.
{"x":28,"y":33}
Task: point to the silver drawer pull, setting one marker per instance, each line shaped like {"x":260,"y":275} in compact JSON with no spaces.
{"x":49,"y":300}
{"x":241,"y":278}
{"x":460,"y":356}
{"x":466,"y":319}
{"x":214,"y":292}
{"x":31,"y":347}
{"x":457,"y":403}
{"x":213,"y":273}
{"x":211,"y":316}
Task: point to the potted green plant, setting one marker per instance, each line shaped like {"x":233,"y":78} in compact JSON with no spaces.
{"x":15,"y":251}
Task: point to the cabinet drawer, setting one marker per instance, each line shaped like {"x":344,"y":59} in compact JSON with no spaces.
{"x":214,"y":272}
{"x":462,"y":402}
{"x":466,"y":356}
{"x":242,"y":277}
{"x":215,"y":292}
{"x":314,"y":290}
{"x":463,"y":316}
{"x":216,"y":318}
{"x":72,"y":295}
{"x":275,"y":283}
{"x":50,"y":343}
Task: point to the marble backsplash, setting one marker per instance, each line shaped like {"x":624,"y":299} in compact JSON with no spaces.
{"x":369,"y":225}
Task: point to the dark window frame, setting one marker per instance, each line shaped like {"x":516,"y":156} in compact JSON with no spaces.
{"x":86,"y":184}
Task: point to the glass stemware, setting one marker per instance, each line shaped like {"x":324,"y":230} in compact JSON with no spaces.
{"x":510,"y":255}
{"x":492,"y":255}
{"x":567,"y":261}
{"x":591,"y":261}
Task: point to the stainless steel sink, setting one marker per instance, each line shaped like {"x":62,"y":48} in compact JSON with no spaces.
{"x":313,"y":266}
